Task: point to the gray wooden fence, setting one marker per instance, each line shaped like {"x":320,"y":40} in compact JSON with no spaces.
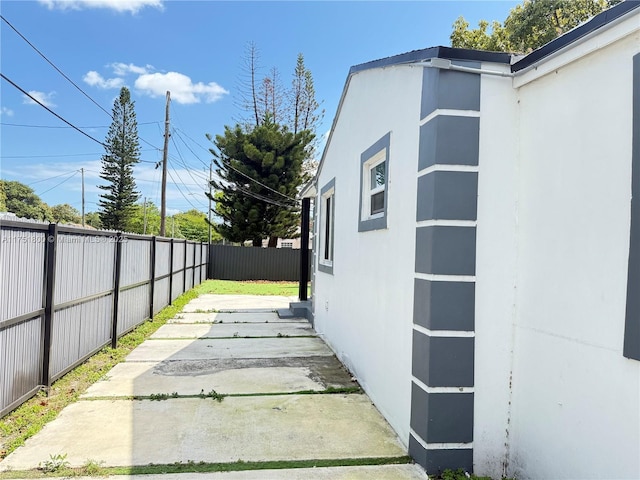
{"x":253,"y":263}
{"x":67,"y":292}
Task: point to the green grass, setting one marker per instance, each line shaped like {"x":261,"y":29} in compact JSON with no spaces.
{"x":95,"y":469}
{"x":257,"y":287}
{"x":29,"y":418}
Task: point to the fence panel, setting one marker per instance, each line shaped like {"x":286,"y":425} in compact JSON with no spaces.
{"x":133,"y":308}
{"x":82,"y":296}
{"x":136,"y":262}
{"x":22,"y":254}
{"x":251,"y":263}
{"x":161,"y":295}
{"x":20,"y":362}
{"x":21,"y":270}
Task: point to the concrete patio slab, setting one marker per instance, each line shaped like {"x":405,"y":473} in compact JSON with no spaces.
{"x":236,"y":375}
{"x":373,"y":472}
{"x":238,"y":303}
{"x":133,"y":378}
{"x":161,"y":350}
{"x":264,"y":428}
{"x":226,"y":330}
{"x":232,"y":317}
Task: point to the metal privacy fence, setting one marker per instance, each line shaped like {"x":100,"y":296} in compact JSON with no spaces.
{"x":253,"y":263}
{"x":67,"y":292}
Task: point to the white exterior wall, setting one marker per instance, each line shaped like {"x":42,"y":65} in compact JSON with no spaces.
{"x":364,"y":309}
{"x":496,"y":261}
{"x":575,"y":409}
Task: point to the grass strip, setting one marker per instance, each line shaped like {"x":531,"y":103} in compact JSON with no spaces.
{"x":257,"y":287}
{"x":168,"y":396}
{"x":233,"y":337}
{"x":29,"y":418}
{"x":94,"y":469}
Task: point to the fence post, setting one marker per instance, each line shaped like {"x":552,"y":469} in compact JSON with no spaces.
{"x":304,"y":250}
{"x":50,"y":280}
{"x":171,"y":274}
{"x":184,"y":268}
{"x":193,"y":270}
{"x":152,"y":282}
{"x":116,"y":291}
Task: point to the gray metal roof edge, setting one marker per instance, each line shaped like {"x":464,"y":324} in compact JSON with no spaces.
{"x":434,"y":52}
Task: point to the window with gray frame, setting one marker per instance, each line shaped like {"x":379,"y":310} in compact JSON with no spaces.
{"x":325,"y":233}
{"x":374,"y":183}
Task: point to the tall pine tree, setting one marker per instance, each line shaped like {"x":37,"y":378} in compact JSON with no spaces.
{"x":261,"y":172}
{"x":122,"y":153}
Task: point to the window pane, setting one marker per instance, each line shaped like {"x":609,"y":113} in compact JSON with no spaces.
{"x":377,"y":203}
{"x":378,"y":175}
{"x":327,"y":230}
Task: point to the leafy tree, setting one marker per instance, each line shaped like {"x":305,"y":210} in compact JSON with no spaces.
{"x":22,"y":200}
{"x":261,"y":172}
{"x":193,"y":225}
{"x":122,"y":153}
{"x":3,"y":198}
{"x":93,"y":220}
{"x":137,"y":220}
{"x":65,"y":213}
{"x":528,"y":26}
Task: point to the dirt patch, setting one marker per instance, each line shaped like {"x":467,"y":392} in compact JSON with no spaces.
{"x":326,"y":370}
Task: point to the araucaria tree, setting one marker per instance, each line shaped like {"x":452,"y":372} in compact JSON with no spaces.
{"x":265,"y":159}
{"x":261,"y":172}
{"x":122,"y":152}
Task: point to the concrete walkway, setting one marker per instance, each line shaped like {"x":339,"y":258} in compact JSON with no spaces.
{"x":266,"y":367}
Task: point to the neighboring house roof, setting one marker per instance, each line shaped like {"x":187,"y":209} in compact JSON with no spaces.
{"x":518,"y":63}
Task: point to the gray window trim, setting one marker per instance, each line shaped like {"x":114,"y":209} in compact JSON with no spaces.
{"x":329,"y":185}
{"x":631,"y":347}
{"x":378,"y":223}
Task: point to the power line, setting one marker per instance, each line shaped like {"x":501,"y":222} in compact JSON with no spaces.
{"x":228,"y":165}
{"x":183,"y":195}
{"x":63,"y":155}
{"x":54,"y":126}
{"x":58,"y":184}
{"x":50,"y":178}
{"x":57,"y":69}
{"x":4,"y":77}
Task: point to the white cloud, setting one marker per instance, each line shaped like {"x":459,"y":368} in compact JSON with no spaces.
{"x":44,"y":98}
{"x":132,"y":6}
{"x":121,"y":69}
{"x":94,"y":79}
{"x":6,"y":111}
{"x":182,"y":89}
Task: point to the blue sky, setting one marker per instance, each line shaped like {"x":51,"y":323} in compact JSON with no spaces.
{"x":193,"y":48}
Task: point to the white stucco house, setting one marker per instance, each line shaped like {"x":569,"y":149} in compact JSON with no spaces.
{"x":477,"y":251}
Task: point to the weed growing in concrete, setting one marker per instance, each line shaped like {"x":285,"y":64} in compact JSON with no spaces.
{"x":459,"y":474}
{"x":212,"y":394}
{"x":162,"y":396}
{"x":54,"y":464}
{"x":92,"y":467}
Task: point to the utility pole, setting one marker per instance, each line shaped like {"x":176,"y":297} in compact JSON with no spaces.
{"x":144,"y":223}
{"x":82,"y":172}
{"x":210,"y":173}
{"x":163,"y":202}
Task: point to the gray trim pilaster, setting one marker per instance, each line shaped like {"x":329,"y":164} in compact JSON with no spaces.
{"x":631,"y":346}
{"x":448,"y":89}
{"x":443,"y":343}
{"x":444,"y":305}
